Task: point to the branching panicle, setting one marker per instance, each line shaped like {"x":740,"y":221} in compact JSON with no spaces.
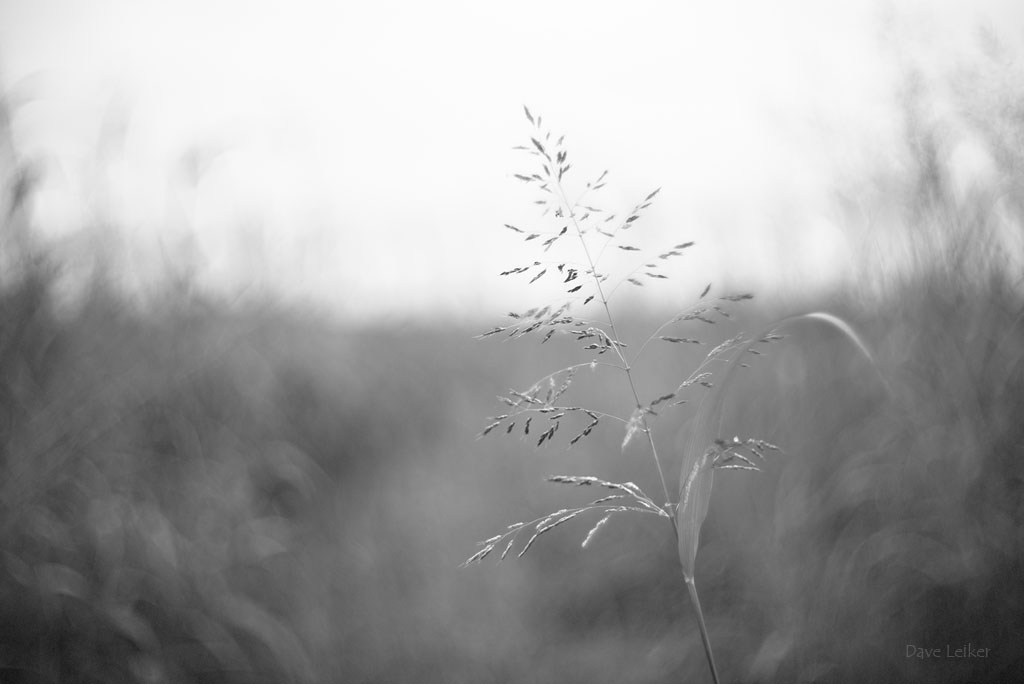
{"x":585,"y":281}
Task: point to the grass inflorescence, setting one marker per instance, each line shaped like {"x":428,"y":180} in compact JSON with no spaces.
{"x":583,"y":312}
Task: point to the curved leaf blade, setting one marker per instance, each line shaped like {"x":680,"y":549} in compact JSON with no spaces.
{"x":694,"y":498}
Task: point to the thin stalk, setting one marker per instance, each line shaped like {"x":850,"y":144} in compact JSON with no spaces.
{"x":692,"y":587}
{"x":570,"y":210}
{"x":576,"y":367}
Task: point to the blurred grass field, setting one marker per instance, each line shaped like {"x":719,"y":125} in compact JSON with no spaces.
{"x":227,"y":495}
{"x":198,"y":491}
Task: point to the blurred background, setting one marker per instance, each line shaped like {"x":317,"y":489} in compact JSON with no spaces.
{"x":244,"y":252}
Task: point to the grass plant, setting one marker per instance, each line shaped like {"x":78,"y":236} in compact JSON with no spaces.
{"x":588,"y":279}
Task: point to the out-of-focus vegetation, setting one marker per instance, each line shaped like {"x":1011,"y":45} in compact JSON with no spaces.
{"x":198,"y":491}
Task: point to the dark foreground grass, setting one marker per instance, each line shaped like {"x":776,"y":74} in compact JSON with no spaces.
{"x":221,"y":495}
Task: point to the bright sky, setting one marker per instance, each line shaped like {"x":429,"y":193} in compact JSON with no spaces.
{"x":358,"y":153}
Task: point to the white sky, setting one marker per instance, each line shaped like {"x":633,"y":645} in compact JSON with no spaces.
{"x":359,"y":152}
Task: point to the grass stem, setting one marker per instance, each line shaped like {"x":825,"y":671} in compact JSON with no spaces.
{"x":695,"y":600}
{"x":571,"y":213}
